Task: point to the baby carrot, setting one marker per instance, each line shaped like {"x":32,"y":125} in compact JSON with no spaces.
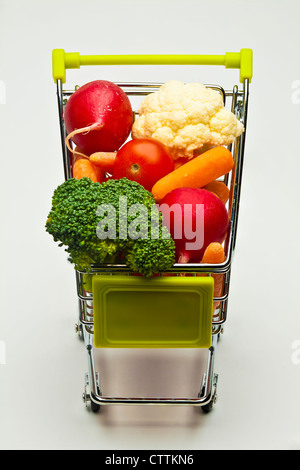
{"x":196,"y":173}
{"x":214,"y":254}
{"x":84,"y":168}
{"x":219,"y":189}
{"x":104,"y":160}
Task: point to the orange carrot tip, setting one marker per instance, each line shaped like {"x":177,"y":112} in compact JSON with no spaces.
{"x":84,"y":168}
{"x":104,"y":160}
{"x":214,"y":254}
{"x":219,"y":189}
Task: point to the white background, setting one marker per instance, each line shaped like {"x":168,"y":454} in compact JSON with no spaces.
{"x":42,"y":373}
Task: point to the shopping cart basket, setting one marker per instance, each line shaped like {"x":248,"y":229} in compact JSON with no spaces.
{"x":107,"y":320}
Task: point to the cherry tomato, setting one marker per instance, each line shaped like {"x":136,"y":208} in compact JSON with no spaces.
{"x":144,"y":161}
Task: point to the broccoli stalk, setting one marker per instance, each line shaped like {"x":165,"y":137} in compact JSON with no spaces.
{"x":115,"y":221}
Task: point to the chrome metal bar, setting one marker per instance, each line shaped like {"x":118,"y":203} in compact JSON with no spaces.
{"x":88,"y":336}
{"x":223,"y":315}
{"x":142,"y":88}
{"x":83,"y":315}
{"x":244,"y":117}
{"x":65,"y":152}
{"x":224,"y":303}
{"x":221,"y":268}
{"x":202,"y":399}
{"x":89,"y":296}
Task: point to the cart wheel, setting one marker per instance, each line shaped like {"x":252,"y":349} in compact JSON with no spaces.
{"x":95,"y":407}
{"x":78,"y":330}
{"x":221,"y":332}
{"x":209,"y":406}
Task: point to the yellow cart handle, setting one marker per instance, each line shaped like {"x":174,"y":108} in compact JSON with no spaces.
{"x":62,"y":60}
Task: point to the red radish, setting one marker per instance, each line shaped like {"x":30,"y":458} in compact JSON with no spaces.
{"x":98,"y":117}
{"x":195,"y":218}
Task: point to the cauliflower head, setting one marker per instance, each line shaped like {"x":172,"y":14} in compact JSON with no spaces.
{"x":186,"y":117}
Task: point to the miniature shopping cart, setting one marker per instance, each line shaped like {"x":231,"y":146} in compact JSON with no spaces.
{"x":119,"y":310}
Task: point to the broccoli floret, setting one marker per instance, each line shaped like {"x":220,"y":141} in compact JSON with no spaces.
{"x":115,"y":221}
{"x":151,"y":258}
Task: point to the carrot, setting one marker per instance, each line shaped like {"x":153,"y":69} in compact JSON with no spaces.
{"x":219,"y":189}
{"x":196,"y":173}
{"x":84,"y":168}
{"x":104,"y":160}
{"x":214,"y":254}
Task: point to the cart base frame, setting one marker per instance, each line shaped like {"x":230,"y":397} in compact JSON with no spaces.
{"x":92,"y":394}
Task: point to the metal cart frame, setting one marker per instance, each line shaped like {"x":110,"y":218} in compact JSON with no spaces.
{"x":239,"y":106}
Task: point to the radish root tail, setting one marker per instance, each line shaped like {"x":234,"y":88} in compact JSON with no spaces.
{"x":82,"y":130}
